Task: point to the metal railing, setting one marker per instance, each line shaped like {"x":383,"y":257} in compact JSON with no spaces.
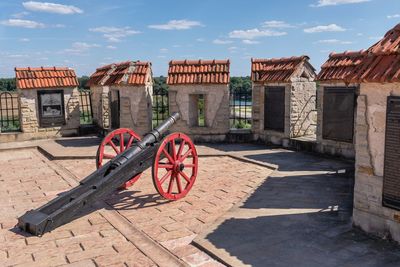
{"x":85,"y":107}
{"x":9,"y":113}
{"x":240,"y":105}
{"x":160,"y":107}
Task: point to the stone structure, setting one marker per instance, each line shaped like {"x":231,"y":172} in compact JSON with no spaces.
{"x":49,"y":102}
{"x":337,"y":138}
{"x":199,"y":90}
{"x":288,"y":84}
{"x":122,"y":96}
{"x":377,"y":182}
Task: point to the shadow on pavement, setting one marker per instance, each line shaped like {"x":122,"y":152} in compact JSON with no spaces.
{"x":79,"y":142}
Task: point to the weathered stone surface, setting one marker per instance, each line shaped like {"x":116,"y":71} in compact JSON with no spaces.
{"x":300,"y":114}
{"x":369,"y":214}
{"x":216,"y":110}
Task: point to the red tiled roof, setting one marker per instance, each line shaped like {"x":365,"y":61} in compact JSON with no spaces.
{"x":390,"y":43}
{"x":341,"y":66}
{"x":129,"y":72}
{"x":45,"y":77}
{"x":198,"y":72}
{"x":276,"y":70}
{"x":380,"y":63}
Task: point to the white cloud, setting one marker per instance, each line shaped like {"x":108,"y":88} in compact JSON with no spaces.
{"x":22,"y":23}
{"x":17,"y":56}
{"x":115,"y":34}
{"x":177,"y":25}
{"x":222,"y":42}
{"x":245,"y":41}
{"x":375,"y":37}
{"x":24,"y":39}
{"x":325,"y":28}
{"x":80,"y":47}
{"x":200,"y":40}
{"x":254,"y":33}
{"x":20,"y":15}
{"x":111,"y":47}
{"x":163,"y":50}
{"x":233,"y":49}
{"x":51,"y":8}
{"x":393,"y":16}
{"x":58,"y":26}
{"x":321,"y":3}
{"x":333,"y":41}
{"x":276,"y":24}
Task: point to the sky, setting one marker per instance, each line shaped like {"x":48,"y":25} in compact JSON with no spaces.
{"x":85,"y":35}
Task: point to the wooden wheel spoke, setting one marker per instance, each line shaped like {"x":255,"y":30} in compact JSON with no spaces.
{"x":171,"y":182}
{"x":130,"y":141}
{"x":165,"y":166}
{"x":121,"y":142}
{"x":164,"y":178}
{"x":186,"y":154}
{"x":108,"y":156}
{"x":182,"y":145}
{"x":178,"y":183}
{"x":114,"y":146}
{"x":184,"y":176}
{"x":171,"y":160}
{"x":189,"y":165}
{"x":173,"y":149}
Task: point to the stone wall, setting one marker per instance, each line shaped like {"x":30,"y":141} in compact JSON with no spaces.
{"x":299,"y":111}
{"x":136,"y":107}
{"x":368,"y":213}
{"x":101,"y":106}
{"x":303,"y":114}
{"x":324,"y":146}
{"x":29,"y":117}
{"x":216,"y":110}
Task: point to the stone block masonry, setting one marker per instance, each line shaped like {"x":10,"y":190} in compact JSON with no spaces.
{"x":216,"y":110}
{"x":368,"y":213}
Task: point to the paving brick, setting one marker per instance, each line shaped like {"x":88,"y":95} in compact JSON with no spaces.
{"x":83,"y":263}
{"x":197,"y":258}
{"x":92,"y":253}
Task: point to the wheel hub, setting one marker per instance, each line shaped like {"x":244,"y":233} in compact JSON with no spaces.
{"x":178,"y":166}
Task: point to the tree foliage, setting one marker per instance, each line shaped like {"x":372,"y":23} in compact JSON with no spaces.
{"x":242,"y":84}
{"x":160,"y":85}
{"x":7,"y":84}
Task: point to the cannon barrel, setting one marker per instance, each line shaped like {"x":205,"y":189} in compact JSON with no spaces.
{"x":103,"y":181}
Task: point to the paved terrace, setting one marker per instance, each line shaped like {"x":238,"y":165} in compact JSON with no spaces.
{"x":239,"y":212}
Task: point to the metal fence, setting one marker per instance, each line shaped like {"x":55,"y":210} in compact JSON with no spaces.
{"x":9,"y":112}
{"x":160,"y":107}
{"x":85,"y":107}
{"x":240,"y":104}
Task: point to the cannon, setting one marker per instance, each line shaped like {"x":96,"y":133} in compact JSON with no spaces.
{"x":174,"y":162}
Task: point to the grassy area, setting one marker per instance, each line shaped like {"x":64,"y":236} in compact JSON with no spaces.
{"x":86,"y":118}
{"x":10,"y":127}
{"x":240,"y":124}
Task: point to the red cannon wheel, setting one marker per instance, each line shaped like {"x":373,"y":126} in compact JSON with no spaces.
{"x":114,"y":144}
{"x":175,"y":166}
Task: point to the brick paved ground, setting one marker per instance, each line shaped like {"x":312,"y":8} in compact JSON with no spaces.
{"x":28,"y":181}
{"x":221,"y":182}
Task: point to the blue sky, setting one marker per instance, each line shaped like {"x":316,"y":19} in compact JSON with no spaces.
{"x":87,"y":34}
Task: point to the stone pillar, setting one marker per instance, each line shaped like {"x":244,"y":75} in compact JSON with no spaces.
{"x":216,"y":110}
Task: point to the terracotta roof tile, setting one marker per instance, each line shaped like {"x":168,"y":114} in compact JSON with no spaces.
{"x":341,"y":66}
{"x":276,"y":70}
{"x":380,"y":63}
{"x":45,"y":77}
{"x":198,"y":72}
{"x":129,"y":72}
